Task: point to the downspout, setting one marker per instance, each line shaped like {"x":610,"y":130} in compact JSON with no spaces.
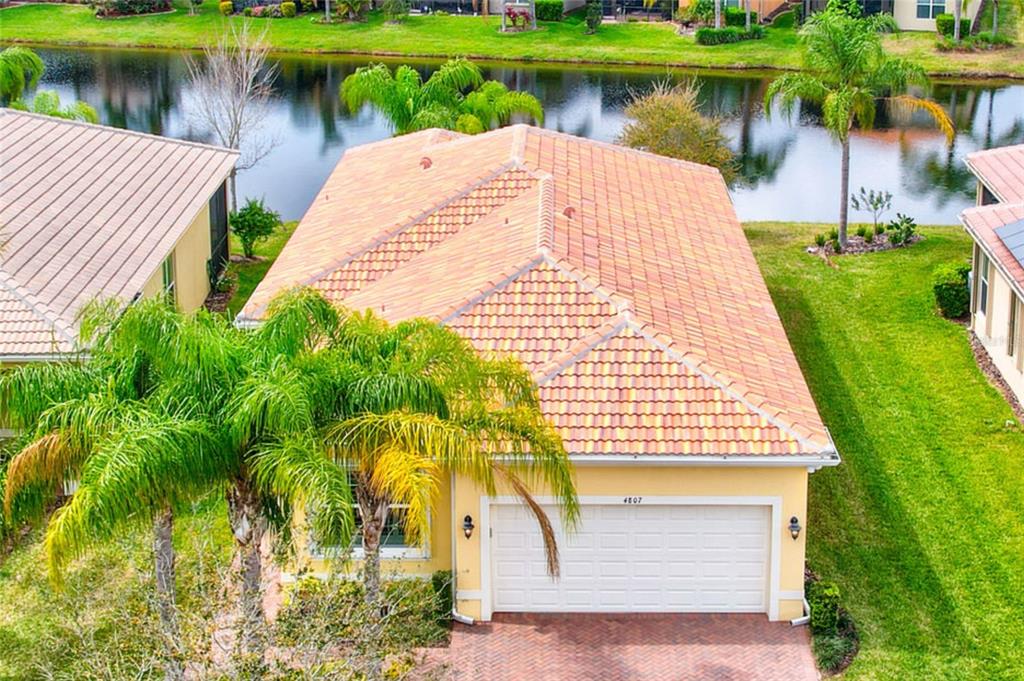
{"x":805,"y":618}
{"x":456,"y":615}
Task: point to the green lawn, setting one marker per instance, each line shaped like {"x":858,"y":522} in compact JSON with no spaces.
{"x":433,"y":36}
{"x":250,"y":274}
{"x":923,"y":523}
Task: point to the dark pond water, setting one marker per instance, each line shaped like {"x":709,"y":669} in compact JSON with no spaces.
{"x":790,"y":166}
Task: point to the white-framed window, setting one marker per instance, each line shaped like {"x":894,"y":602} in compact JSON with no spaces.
{"x":929,"y":9}
{"x":167,"y":275}
{"x":982,"y":274}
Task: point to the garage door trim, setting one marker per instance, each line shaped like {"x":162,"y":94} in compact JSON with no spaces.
{"x":774,"y":503}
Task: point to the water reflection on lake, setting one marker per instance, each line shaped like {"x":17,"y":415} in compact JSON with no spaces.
{"x":790,"y":166}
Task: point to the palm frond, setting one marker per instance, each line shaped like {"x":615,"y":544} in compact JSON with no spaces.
{"x":27,"y":391}
{"x":904,"y":104}
{"x":455,"y":75}
{"x":297,"y":319}
{"x":790,"y":88}
{"x":20,"y":68}
{"x":547,"y":531}
{"x":297,"y":469}
{"x":410,"y":478}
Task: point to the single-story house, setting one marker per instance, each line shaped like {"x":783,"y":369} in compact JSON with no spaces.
{"x":624,"y":282}
{"x":997,"y":226}
{"x":910,"y":15}
{"x":88,"y":211}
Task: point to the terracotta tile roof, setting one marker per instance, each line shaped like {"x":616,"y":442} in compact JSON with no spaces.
{"x":981,"y":222}
{"x":88,"y":211}
{"x":622,"y":279}
{"x":1001,"y":170}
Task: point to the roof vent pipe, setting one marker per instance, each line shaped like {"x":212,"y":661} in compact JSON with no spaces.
{"x":425,"y":162}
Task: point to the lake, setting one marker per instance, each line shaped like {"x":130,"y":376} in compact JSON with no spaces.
{"x":789,"y":164}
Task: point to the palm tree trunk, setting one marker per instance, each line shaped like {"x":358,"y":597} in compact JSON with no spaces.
{"x":844,"y":190}
{"x":746,"y":5}
{"x":995,"y":17}
{"x":374,"y":512}
{"x":163,"y":567}
{"x":956,"y":21}
{"x":248,"y":527}
{"x":718,"y":13}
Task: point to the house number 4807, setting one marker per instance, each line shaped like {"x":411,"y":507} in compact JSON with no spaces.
{"x":632,"y":500}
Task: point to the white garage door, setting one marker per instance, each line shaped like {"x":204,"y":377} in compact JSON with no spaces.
{"x":635,"y":558}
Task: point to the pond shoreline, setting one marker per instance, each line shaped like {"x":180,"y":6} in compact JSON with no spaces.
{"x":978,"y":77}
{"x":426,"y":37}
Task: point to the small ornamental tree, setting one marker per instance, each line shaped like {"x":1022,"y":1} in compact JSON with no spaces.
{"x":252,"y":224}
{"x":595,"y":14}
{"x":871,"y":201}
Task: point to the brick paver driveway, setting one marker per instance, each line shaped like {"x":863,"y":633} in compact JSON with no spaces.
{"x":612,"y":647}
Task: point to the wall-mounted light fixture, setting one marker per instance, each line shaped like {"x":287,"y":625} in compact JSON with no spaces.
{"x":794,"y":527}
{"x":467,"y":526}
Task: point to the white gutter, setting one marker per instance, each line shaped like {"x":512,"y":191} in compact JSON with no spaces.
{"x":707,"y":460}
{"x":805,"y":618}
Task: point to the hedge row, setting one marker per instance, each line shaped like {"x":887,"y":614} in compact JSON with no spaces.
{"x":944,"y":24}
{"x":550,"y":10}
{"x":721,"y":36}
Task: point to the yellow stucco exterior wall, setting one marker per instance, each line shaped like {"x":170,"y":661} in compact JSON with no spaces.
{"x":191,"y":254}
{"x":786,"y":485}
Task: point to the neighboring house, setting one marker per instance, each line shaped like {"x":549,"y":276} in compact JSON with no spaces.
{"x":624,"y":282}
{"x":910,"y":15}
{"x":91,"y":212}
{"x":997,"y":226}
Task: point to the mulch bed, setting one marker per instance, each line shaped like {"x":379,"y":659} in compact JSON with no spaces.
{"x":856,"y":245}
{"x":988,"y":368}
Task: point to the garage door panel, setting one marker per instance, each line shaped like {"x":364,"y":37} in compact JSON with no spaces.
{"x":626,"y":558}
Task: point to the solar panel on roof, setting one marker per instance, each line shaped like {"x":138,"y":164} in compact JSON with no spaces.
{"x":1012,"y":236}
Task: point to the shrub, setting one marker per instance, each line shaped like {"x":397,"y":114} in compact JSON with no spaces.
{"x":226,"y":8}
{"x":901,"y":229}
{"x":736,"y":16}
{"x":395,"y":10}
{"x":823,"y":597}
{"x":288,"y":9}
{"x":307,"y":5}
{"x":820,"y":240}
{"x":861,"y":231}
{"x":722,"y":36}
{"x":949,"y":283}
{"x":701,"y":12}
{"x":260,"y":11}
{"x":869,"y":236}
{"x":595,"y":15}
{"x":254,"y":222}
{"x":879,"y":229}
{"x":784,"y":20}
{"x":106,"y":8}
{"x":833,"y":234}
{"x":247,"y":12}
{"x":831,"y":651}
{"x":798,"y":13}
{"x":444,"y":596}
{"x":549,"y":10}
{"x":944,"y":24}
{"x":836,"y":246}
{"x":974,"y":43}
{"x":275,"y":12}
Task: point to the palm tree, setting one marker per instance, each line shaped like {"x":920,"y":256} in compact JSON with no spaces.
{"x":20,"y":67}
{"x":124,"y":429}
{"x":455,"y":97}
{"x":47,"y":103}
{"x":412,"y":403}
{"x":847,"y":73}
{"x":718,"y":13}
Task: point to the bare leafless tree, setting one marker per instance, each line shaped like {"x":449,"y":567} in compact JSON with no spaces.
{"x":232,"y":85}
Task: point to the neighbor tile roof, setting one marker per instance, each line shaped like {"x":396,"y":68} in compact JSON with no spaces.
{"x":87,"y":211}
{"x":1001,"y":170}
{"x":622,"y":279}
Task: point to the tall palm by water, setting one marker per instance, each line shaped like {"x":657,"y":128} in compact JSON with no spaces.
{"x":455,"y":97}
{"x":848,"y":73}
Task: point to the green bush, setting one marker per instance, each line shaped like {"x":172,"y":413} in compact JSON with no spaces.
{"x":820,"y":240}
{"x":974,"y":43}
{"x":944,"y":24}
{"x":833,"y":234}
{"x":901,"y":230}
{"x":831,"y":651}
{"x":784,"y":20}
{"x":444,"y":596}
{"x":288,"y":9}
{"x":836,"y":246}
{"x":949,"y":283}
{"x":595,"y":15}
{"x":253,"y":223}
{"x":722,"y":36}
{"x":307,"y":5}
{"x":226,"y":8}
{"x":823,"y":597}
{"x":869,"y":236}
{"x":736,"y":16}
{"x":861,"y":230}
{"x":247,"y":12}
{"x":550,"y":10}
{"x":395,"y":10}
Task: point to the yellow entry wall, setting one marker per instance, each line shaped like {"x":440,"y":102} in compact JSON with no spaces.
{"x":191,"y":254}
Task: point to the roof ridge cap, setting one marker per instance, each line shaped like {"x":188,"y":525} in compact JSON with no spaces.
{"x":622,"y":304}
{"x":580,"y":348}
{"x":38,"y":307}
{"x":734,"y":389}
{"x":123,"y":131}
{"x":508,"y":276}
